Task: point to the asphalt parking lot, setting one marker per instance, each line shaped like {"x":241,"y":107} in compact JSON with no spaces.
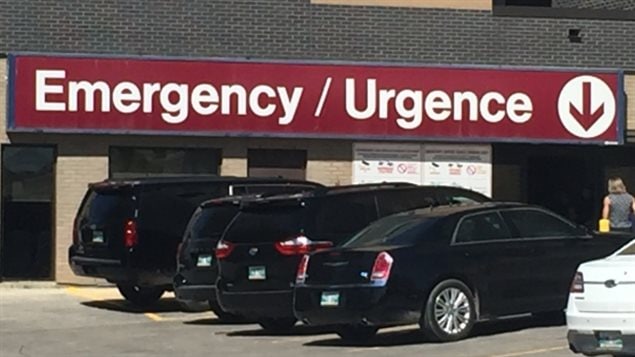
{"x":74,"y":321}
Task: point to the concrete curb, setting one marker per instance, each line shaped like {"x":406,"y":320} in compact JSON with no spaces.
{"x":28,"y":285}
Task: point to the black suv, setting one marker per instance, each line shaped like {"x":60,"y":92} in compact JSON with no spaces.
{"x":127,"y":231}
{"x":195,"y":279}
{"x":260,"y":250}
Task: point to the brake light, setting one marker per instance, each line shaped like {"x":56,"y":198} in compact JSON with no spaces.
{"x":223,"y":249}
{"x":130,"y":237}
{"x":301,"y":245}
{"x":300,"y":276}
{"x":577,"y":285}
{"x":381,"y":268}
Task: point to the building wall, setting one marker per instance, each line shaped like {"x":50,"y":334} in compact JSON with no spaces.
{"x":629,"y":88}
{"x":596,"y":4}
{"x":297,"y":29}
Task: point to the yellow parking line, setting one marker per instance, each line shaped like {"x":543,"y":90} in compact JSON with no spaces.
{"x":152,"y":316}
{"x":531,"y":352}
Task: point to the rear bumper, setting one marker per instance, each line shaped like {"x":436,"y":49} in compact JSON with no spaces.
{"x":589,"y":322}
{"x":116,"y":271}
{"x":357,"y":305}
{"x":185,"y":291}
{"x":589,"y":344}
{"x":257,"y":304}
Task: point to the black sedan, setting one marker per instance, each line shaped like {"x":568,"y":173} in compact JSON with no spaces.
{"x":446,"y":268}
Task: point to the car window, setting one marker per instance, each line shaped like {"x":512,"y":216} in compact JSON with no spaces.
{"x":399,"y":229}
{"x":395,"y":201}
{"x":269,"y":223}
{"x":629,"y":250}
{"x":210,"y":222}
{"x":271,"y":188}
{"x":530,"y":223}
{"x":342,"y":215}
{"x":451,"y":196}
{"x":481,"y":227}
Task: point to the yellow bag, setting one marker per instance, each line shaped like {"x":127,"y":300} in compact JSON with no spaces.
{"x":605,"y":225}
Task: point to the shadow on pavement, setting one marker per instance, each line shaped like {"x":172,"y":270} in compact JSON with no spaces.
{"x":121,"y":305}
{"x":298,"y":330}
{"x":414,"y":336}
{"x":214,"y":321}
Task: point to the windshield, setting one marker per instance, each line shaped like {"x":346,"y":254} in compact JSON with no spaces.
{"x":628,"y":250}
{"x":399,"y":229}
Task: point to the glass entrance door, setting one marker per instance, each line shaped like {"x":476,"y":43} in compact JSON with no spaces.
{"x":26,"y":250}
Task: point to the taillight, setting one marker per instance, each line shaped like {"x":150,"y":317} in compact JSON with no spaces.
{"x":223,"y":249}
{"x":577,"y":285}
{"x":130,"y":237}
{"x":381,"y":268}
{"x":301,"y":245}
{"x":300,"y":276}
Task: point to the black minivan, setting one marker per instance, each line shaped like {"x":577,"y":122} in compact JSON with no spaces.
{"x":261,"y":248}
{"x":195,"y":279}
{"x":127,"y":231}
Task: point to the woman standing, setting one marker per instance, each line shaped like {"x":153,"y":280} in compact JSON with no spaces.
{"x":618,"y":206}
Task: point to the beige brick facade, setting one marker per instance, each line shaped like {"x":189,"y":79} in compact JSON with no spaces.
{"x":629,"y":88}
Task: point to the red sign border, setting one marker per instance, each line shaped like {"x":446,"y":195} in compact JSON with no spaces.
{"x":11,"y":128}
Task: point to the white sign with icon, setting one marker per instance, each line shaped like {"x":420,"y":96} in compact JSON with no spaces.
{"x":465,"y":165}
{"x":381,"y":162}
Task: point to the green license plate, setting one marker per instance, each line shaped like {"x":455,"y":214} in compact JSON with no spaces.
{"x":98,"y":237}
{"x":257,"y":273}
{"x":204,"y":260}
{"x":330,"y":299}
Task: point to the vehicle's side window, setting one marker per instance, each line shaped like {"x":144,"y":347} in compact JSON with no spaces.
{"x":481,"y":227}
{"x":538,"y":224}
{"x":459,"y":197}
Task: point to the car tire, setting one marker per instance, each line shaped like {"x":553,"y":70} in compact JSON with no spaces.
{"x":449,"y":313}
{"x":140,"y":296}
{"x":278,"y":325}
{"x":356,"y":333}
{"x":222,"y":315}
{"x":193,"y":306}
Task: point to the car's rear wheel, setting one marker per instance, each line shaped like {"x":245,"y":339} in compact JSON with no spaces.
{"x":449,"y":313}
{"x":278,"y":325}
{"x":222,"y":315}
{"x":140,"y":296}
{"x":356,"y":333}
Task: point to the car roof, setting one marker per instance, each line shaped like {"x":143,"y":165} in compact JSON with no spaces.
{"x":180,"y":179}
{"x":352,"y":189}
{"x":448,"y":210}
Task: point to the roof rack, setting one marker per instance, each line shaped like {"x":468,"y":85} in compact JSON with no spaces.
{"x":364,"y":187}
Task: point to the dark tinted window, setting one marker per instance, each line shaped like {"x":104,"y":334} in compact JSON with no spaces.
{"x":451,"y":196}
{"x":137,"y":162}
{"x":269,"y":188}
{"x":266,"y":224}
{"x":481,"y":227}
{"x":538,"y":224}
{"x":290,"y":164}
{"x":339,"y":216}
{"x":395,"y":201}
{"x":399,"y":229}
{"x":102,"y":206}
{"x":210,"y":222}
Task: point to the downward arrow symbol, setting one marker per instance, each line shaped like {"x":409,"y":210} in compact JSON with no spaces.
{"x":586,"y":118}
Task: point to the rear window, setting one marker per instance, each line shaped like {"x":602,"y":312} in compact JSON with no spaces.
{"x":211,"y":221}
{"x":393,"y":230}
{"x":100,"y":206}
{"x":629,"y":250}
{"x":266,"y":224}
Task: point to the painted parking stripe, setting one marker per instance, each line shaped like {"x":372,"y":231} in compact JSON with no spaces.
{"x":531,"y":352}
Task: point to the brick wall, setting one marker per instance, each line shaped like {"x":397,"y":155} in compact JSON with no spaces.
{"x":629,"y":88}
{"x":300,"y":30}
{"x":596,"y":4}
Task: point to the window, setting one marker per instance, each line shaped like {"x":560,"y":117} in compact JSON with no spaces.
{"x":629,"y":250}
{"x":210,"y":222}
{"x":481,"y":227}
{"x":538,"y":224}
{"x":289,"y":164}
{"x":393,"y":201}
{"x":137,"y":162}
{"x":340,"y":216}
{"x":575,"y":9}
{"x":399,"y":229}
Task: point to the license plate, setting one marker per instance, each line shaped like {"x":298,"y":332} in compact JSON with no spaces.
{"x":330,"y":298}
{"x":610,"y":344}
{"x":204,"y":261}
{"x":257,"y":273}
{"x":98,"y":237}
